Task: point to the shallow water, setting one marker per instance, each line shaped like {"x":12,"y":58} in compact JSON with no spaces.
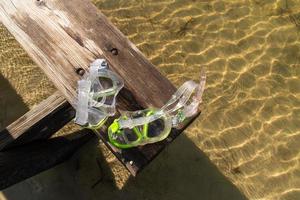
{"x":250,"y":124}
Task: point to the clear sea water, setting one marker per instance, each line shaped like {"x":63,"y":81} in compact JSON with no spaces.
{"x":250,"y":122}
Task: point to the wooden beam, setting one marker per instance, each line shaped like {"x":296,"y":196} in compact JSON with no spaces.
{"x":62,"y":36}
{"x":39,"y":123}
{"x":25,"y":161}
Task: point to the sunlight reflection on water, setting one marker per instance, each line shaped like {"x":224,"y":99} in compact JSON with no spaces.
{"x":250,"y":124}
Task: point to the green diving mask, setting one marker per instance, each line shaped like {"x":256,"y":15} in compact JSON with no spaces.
{"x":97,"y":93}
{"x":152,"y":125}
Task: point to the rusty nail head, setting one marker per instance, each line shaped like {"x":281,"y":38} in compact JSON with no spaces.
{"x":114,"y":51}
{"x":80,"y":71}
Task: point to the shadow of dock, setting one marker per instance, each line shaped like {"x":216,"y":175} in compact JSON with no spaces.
{"x":11,"y":103}
{"x":181,"y":171}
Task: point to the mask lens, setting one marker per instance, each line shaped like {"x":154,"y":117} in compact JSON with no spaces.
{"x":130,"y":135}
{"x":102,"y":86}
{"x":108,"y":100}
{"x":106,"y":82}
{"x":155,"y":128}
{"x":104,"y":93}
{"x":154,"y":131}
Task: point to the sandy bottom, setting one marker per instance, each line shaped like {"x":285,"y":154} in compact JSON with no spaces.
{"x":246,"y":142}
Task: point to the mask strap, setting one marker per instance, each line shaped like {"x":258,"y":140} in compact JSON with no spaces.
{"x":130,"y":123}
{"x":180,"y":98}
{"x":84,"y":87}
{"x":178,"y":101}
{"x":192,"y":108}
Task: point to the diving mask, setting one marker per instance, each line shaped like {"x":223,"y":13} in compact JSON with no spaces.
{"x":97,"y":93}
{"x":153,"y":125}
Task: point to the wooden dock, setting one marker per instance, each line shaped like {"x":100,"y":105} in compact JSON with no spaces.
{"x":63,"y":37}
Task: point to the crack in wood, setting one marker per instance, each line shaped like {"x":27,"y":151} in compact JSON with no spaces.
{"x":13,"y":4}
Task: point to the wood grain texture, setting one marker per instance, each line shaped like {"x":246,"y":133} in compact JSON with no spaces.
{"x":39,"y":123}
{"x":62,"y":36}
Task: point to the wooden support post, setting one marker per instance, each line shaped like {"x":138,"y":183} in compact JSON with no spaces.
{"x":25,"y":161}
{"x":63,"y":36}
{"x":39,"y":123}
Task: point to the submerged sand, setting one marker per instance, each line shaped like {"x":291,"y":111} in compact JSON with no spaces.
{"x":250,"y":124}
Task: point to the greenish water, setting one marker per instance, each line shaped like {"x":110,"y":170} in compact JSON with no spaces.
{"x":250,"y":124}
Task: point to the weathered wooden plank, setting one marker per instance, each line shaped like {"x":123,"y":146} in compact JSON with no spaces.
{"x":39,"y":123}
{"x":25,"y":161}
{"x":62,"y":36}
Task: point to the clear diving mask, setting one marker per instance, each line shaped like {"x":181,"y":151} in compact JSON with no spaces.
{"x":152,"y":125}
{"x":97,"y":93}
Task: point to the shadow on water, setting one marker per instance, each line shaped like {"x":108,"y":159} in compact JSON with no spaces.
{"x":11,"y":104}
{"x":181,"y":171}
{"x":11,"y":107}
